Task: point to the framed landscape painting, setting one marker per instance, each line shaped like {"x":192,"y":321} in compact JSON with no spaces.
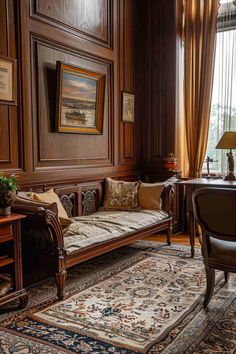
{"x":80,"y":100}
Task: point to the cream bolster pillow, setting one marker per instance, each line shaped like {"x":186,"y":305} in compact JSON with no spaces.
{"x":51,"y":197}
{"x":150,"y":195}
{"x":21,"y":201}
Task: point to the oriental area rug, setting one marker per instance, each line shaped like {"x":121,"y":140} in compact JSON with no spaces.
{"x":145,"y":298}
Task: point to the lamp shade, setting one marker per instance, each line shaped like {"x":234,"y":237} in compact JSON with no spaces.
{"x":227,"y":141}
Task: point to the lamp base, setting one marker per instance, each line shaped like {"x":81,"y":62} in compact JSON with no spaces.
{"x":230,"y":177}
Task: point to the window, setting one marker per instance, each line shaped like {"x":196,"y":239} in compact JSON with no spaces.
{"x":223,"y":109}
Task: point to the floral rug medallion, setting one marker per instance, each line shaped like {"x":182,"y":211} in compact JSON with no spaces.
{"x":138,"y":299}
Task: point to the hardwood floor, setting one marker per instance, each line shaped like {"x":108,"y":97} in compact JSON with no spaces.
{"x":182,"y":239}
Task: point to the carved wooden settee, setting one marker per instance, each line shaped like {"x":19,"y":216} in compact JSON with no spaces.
{"x":43,"y":235}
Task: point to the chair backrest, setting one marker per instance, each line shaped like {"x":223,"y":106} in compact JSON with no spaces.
{"x":215,"y":211}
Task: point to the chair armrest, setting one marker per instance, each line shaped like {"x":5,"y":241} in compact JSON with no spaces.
{"x":51,"y":221}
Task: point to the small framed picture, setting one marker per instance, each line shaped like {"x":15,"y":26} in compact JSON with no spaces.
{"x":7,"y":80}
{"x":80,"y":100}
{"x":127,"y":107}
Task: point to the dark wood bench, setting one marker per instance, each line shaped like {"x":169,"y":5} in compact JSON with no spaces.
{"x":42,"y":231}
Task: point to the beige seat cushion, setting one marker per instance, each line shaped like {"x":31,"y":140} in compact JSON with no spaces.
{"x":51,"y":197}
{"x":106,"y":225}
{"x":150,"y":195}
{"x":120,"y":195}
{"x":223,"y":252}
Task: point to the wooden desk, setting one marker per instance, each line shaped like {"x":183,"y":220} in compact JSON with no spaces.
{"x":190,"y":186}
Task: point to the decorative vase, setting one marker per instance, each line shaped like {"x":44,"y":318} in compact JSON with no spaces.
{"x":6,"y":199}
{"x":169,"y":162}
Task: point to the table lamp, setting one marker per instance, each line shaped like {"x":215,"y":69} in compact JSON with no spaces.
{"x":228,"y":141}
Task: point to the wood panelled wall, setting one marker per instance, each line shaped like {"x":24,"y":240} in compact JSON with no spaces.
{"x":93,"y":34}
{"x":156,"y":80}
{"x":10,"y":125}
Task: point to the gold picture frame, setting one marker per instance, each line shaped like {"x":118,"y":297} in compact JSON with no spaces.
{"x":80,"y":100}
{"x":128,"y":104}
{"x":8,"y":80}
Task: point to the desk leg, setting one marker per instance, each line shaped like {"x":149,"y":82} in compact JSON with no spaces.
{"x":192,"y":225}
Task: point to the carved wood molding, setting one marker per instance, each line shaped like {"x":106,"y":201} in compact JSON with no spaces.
{"x":39,"y":11}
{"x":68,"y":202}
{"x":37,"y":42}
{"x":127,"y":130}
{"x":10,"y":118}
{"x":90,"y":201}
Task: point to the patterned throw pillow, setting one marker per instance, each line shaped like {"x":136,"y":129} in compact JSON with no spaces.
{"x":150,"y":195}
{"x":120,"y":195}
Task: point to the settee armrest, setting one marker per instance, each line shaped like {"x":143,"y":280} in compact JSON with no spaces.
{"x":32,"y":206}
{"x":26,"y":209}
{"x":43,"y":217}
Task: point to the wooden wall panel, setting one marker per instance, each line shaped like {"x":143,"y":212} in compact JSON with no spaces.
{"x":10,"y":147}
{"x":60,"y":148}
{"x":5,"y":155}
{"x":94,"y":34}
{"x":3,"y":28}
{"x":90,"y":19}
{"x":163,"y":78}
{"x":9,"y":142}
{"x":156,"y":80}
{"x":127,"y":130}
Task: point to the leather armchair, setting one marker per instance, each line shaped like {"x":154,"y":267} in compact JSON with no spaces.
{"x":215,"y":211}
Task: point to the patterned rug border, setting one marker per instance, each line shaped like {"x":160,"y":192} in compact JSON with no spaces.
{"x":37,"y":340}
{"x":215,"y":316}
{"x":89,"y":334}
{"x":219,"y":294}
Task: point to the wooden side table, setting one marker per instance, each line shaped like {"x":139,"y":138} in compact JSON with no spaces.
{"x":11,"y":257}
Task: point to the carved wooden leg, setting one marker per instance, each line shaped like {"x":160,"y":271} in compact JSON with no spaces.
{"x":210,"y":275}
{"x":226,"y":274}
{"x":169,"y":234}
{"x":23,"y":301}
{"x":60,"y":278}
{"x":192,"y":225}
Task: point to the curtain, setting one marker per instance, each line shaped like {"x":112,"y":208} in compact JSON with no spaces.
{"x":223,"y":108}
{"x":199,"y":40}
{"x":180,"y":128}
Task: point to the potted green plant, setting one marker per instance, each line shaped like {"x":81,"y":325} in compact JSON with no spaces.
{"x":8,"y":189}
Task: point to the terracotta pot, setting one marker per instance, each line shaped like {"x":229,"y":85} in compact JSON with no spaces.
{"x":169,"y":164}
{"x":6,"y":200}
